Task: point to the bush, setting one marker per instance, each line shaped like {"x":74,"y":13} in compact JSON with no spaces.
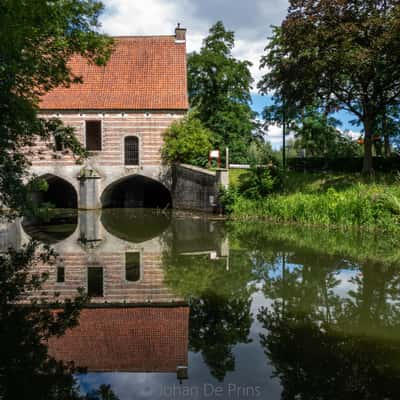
{"x":187,"y":141}
{"x":361,"y":206}
{"x":228,"y":198}
{"x":341,"y":164}
{"x":257,"y":183}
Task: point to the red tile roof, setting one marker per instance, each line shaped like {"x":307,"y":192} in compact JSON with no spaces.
{"x":143,"y":73}
{"x":137,"y":339}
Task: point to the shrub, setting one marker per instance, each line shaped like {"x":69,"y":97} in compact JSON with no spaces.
{"x":187,"y":141}
{"x":362,"y":206}
{"x":257,"y":183}
{"x":228,"y":199}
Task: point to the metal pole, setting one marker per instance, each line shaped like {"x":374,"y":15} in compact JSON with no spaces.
{"x":284,"y":136}
{"x":227,"y":158}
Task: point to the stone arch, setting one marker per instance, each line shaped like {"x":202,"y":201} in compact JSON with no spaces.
{"x":60,"y":192}
{"x":136,"y":191}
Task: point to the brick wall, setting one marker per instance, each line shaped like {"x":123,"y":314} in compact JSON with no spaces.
{"x":141,"y":339}
{"x":116,"y":290}
{"x":148,"y":127}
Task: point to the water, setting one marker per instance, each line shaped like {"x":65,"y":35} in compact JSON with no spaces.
{"x":198,"y":308}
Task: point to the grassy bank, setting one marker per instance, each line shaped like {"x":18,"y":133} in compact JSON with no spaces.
{"x":329,"y":200}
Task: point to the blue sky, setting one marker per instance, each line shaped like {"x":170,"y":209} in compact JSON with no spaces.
{"x":259,"y":102}
{"x":275,"y":133}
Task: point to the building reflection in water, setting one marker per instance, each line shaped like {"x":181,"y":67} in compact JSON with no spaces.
{"x":133,"y":323}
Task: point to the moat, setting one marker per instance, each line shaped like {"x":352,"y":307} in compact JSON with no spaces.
{"x":195,"y":307}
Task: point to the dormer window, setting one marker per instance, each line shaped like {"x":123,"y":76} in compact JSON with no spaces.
{"x":93,"y":136}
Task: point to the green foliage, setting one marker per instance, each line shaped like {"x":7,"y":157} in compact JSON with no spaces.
{"x":37,"y":38}
{"x":264,"y":175}
{"x":361,"y":206}
{"x":317,"y":134}
{"x":27,"y":371}
{"x":228,"y":198}
{"x":187,"y":141}
{"x":220,"y":315}
{"x":257,"y":183}
{"x":339,"y":54}
{"x":219,"y":88}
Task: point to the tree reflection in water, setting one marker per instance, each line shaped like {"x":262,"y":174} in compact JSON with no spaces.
{"x":326,"y":346}
{"x":26,"y":369}
{"x":220,"y":303}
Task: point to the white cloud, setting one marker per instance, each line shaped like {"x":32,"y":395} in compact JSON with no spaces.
{"x":250,"y":20}
{"x":274,"y":135}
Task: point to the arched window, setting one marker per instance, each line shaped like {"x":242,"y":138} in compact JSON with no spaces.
{"x":131,"y":150}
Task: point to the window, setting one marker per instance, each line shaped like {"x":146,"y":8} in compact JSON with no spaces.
{"x":93,"y":135}
{"x":132,"y":267}
{"x":131,"y":150}
{"x":60,"y":274}
{"x":95,"y":281}
{"x":59,"y":146}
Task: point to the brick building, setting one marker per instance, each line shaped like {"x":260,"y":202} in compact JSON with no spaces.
{"x":120,"y":113}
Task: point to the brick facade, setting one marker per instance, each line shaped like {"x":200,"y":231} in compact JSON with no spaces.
{"x":150,"y":288}
{"x":149,"y":127}
{"x":142,"y":339}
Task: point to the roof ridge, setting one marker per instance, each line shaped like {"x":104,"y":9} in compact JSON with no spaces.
{"x":141,"y":36}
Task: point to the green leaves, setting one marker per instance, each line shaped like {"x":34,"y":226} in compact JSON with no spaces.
{"x":37,"y":39}
{"x":187,"y":141}
{"x":219,"y":89}
{"x":339,"y":54}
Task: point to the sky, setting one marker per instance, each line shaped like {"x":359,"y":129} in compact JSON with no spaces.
{"x":251,"y":20}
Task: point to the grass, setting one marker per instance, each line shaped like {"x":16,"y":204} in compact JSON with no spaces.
{"x":340,"y":200}
{"x":234,"y":176}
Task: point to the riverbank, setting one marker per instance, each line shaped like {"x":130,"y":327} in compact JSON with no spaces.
{"x":328,"y":200}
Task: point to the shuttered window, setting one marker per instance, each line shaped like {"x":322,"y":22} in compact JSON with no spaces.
{"x":93,"y":135}
{"x":131,"y":150}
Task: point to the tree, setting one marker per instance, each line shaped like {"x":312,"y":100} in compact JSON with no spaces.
{"x":220,"y":302}
{"x":219,"y":87}
{"x":37,"y":39}
{"x":388,"y":128}
{"x":319,"y":135}
{"x":187,"y":141}
{"x":27,"y":371}
{"x":340,"y":54}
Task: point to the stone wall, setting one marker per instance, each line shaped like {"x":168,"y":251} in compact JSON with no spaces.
{"x":191,"y":188}
{"x":196,"y":188}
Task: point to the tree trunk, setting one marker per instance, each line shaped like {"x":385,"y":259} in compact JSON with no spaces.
{"x":386,"y":139}
{"x":367,"y":165}
{"x":387,"y":145}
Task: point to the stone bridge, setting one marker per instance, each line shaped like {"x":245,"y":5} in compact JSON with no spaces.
{"x":92,"y":186}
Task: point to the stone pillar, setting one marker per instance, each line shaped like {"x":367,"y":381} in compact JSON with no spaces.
{"x":90,"y":226}
{"x":89,"y":189}
{"x":222,"y":176}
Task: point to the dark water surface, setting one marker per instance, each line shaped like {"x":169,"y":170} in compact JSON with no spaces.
{"x":196,"y":308}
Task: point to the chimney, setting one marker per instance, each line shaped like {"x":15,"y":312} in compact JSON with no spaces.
{"x":180,"y":34}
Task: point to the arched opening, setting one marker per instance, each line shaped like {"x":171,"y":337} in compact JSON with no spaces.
{"x":135,"y":225}
{"x":131,"y":146}
{"x":52,"y":228}
{"x":59,"y":193}
{"x":136,"y":192}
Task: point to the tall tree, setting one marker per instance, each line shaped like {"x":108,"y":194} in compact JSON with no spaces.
{"x":341,"y":54}
{"x":219,"y":87}
{"x":37,"y":39}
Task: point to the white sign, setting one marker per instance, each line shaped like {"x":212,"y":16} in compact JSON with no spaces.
{"x":214,"y":154}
